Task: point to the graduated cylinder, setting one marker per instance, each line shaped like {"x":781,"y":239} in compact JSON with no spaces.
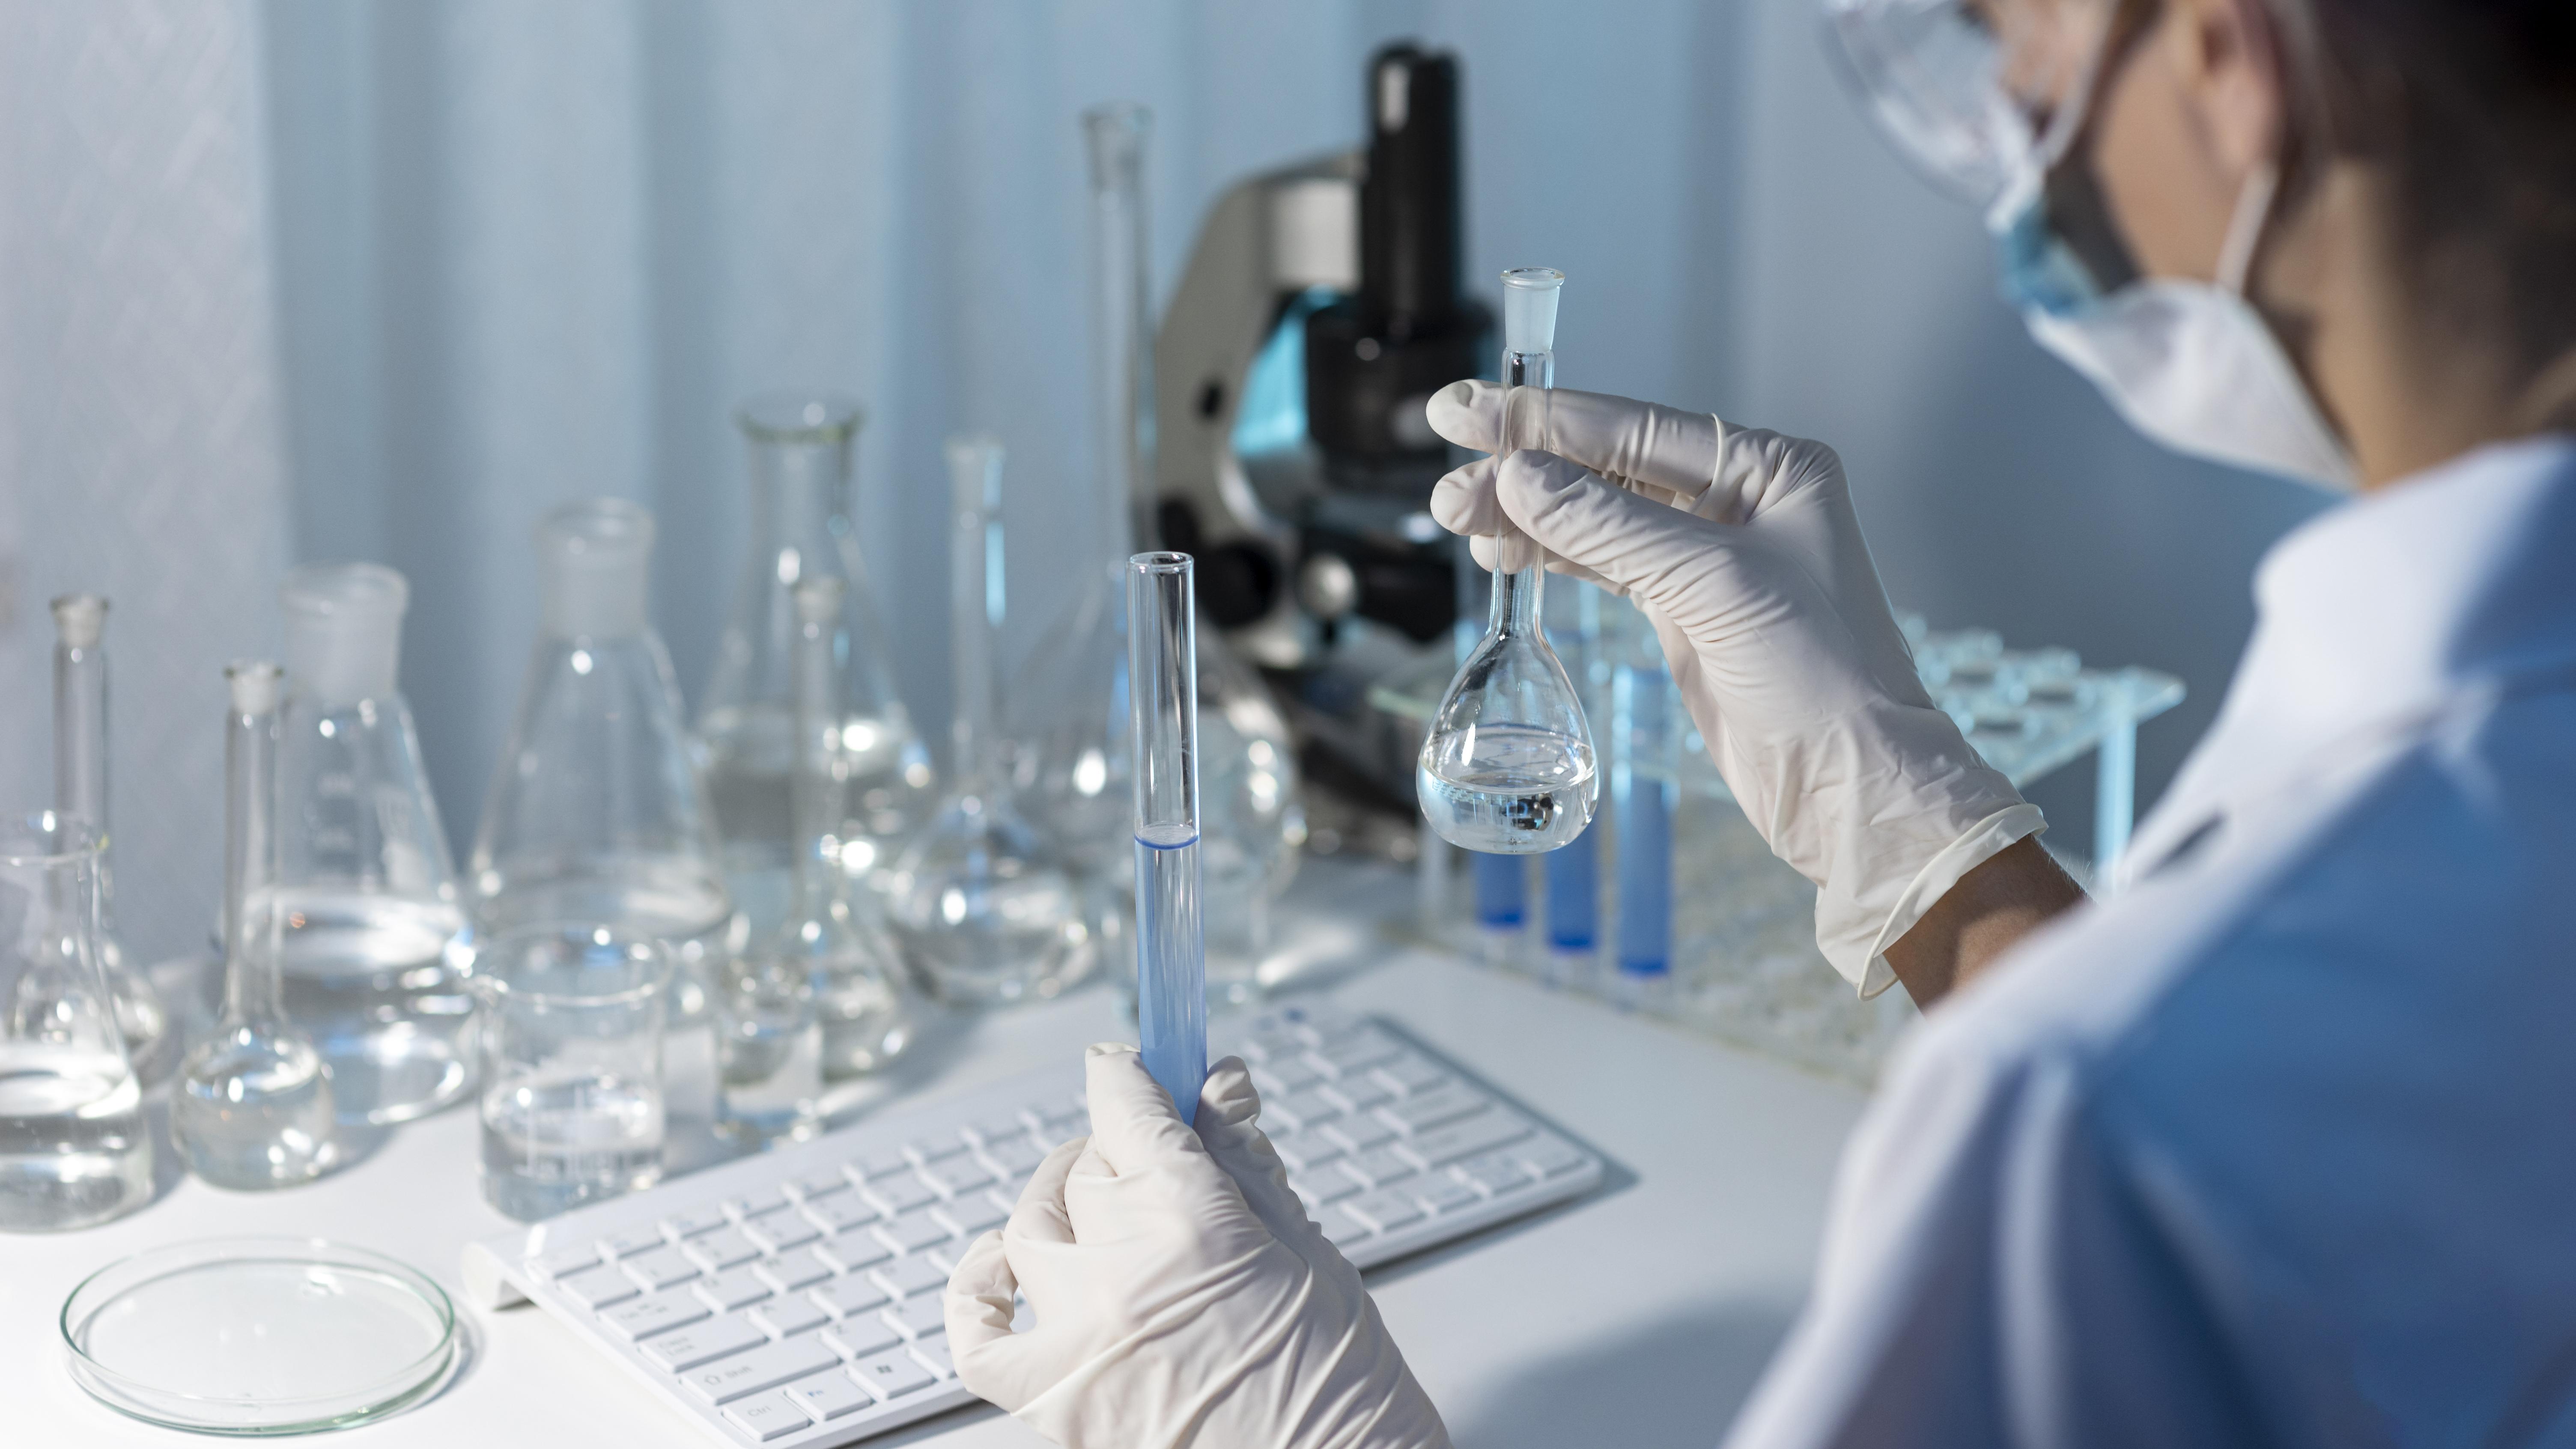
{"x":1163,"y":714}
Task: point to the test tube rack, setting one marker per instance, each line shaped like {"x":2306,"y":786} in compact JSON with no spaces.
{"x":1745,"y":967}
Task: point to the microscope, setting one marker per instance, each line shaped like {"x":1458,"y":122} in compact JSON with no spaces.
{"x":1320,"y":309}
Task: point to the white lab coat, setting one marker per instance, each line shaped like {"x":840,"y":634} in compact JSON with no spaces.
{"x":2278,"y":1145}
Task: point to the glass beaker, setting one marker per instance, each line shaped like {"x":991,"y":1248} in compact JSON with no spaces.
{"x":596,"y":811}
{"x":371,"y":922}
{"x":80,"y":789}
{"x":799,"y":448}
{"x":73,"y":1149}
{"x":571,"y":1034}
{"x":253,"y":1107}
{"x":987,"y":909}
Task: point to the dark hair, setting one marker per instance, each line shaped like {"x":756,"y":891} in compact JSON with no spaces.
{"x":2471,"y":106}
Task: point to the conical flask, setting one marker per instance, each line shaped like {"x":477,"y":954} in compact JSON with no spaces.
{"x":834,"y":933}
{"x":1508,"y":766}
{"x":985,"y":907}
{"x":80,"y":789}
{"x":596,"y":811}
{"x":799,"y":449}
{"x":372,"y":931}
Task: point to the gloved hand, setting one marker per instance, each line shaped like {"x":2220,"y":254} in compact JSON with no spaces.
{"x":1742,"y":549}
{"x":1180,"y":1294}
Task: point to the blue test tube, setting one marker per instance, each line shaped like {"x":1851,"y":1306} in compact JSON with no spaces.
{"x":1644,"y":789}
{"x":1571,"y":873}
{"x":1163,"y":715}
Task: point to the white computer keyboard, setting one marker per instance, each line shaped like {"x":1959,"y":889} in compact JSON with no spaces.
{"x":793,"y":1298}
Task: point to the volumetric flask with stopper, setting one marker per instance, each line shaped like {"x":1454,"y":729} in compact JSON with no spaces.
{"x":253,"y":1107}
{"x":572,"y":1065}
{"x":798,"y":447}
{"x":73,"y":1150}
{"x":596,"y":811}
{"x":1171,"y":961}
{"x":1508,"y":767}
{"x":986,"y":909}
{"x":80,"y":790}
{"x":370,"y":917}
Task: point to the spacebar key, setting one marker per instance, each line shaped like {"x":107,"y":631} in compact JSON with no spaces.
{"x":1481,"y":1133}
{"x":729,"y":1379}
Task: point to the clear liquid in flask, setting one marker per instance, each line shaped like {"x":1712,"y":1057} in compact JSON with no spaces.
{"x":1518,"y":791}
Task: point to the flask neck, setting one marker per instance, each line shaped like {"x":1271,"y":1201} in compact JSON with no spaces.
{"x":1517,"y":599}
{"x":821,"y":784}
{"x":974,"y":543}
{"x":80,"y":733}
{"x":250,"y":861}
{"x":800,"y":490}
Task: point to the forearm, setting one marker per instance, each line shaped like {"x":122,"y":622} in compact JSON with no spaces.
{"x":1980,"y":918}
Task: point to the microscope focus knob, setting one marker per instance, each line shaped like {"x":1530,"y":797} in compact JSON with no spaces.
{"x":1327,"y":586}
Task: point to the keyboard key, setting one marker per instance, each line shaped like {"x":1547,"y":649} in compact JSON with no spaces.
{"x":1358,"y":1093}
{"x":658,"y":1269}
{"x":721,"y":1250}
{"x":1481,"y":1133}
{"x":934,"y":1149}
{"x":645,"y":1317}
{"x":755,"y":1204}
{"x":912,"y":1232}
{"x":1307,"y":1150}
{"x":882,"y":1162}
{"x":892,"y":1375}
{"x":779,"y":1232}
{"x":1435,"y":1108}
{"x":900,"y":1193}
{"x":791,"y":1271}
{"x":702,"y":1343}
{"x":822,"y":1182}
{"x":958,"y":1174}
{"x":1410,"y":1074}
{"x":596,"y":1288}
{"x":1385,"y":1211}
{"x":844,"y":1297}
{"x":1344,"y":1229}
{"x":933,"y":1353}
{"x":1329,"y":1183}
{"x":828,"y":1395}
{"x":1284,"y":1076}
{"x":1358,"y":1052}
{"x":1442,"y":1194}
{"x":850,"y":1252}
{"x":1379,"y":1168}
{"x":1549,"y":1157}
{"x":1014,"y":1157}
{"x":690,"y":1222}
{"x":862,"y":1337}
{"x":840,"y":1214}
{"x":1301,"y":1111}
{"x":745,"y":1374}
{"x":731,"y":1289}
{"x":626,"y":1242}
{"x":563,"y":1261}
{"x":774,"y":1417}
{"x":1359,"y":1134}
{"x":919,"y":1317}
{"x":907,"y":1276}
{"x":786,"y":1317}
{"x":995,"y":1127}
{"x":1495,"y":1172}
{"x":975,"y":1213}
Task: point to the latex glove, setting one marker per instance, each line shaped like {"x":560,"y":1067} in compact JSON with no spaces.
{"x":1180,"y":1294}
{"x":1742,"y":549}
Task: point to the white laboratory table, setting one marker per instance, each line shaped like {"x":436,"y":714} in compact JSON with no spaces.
{"x":1638,"y":1315}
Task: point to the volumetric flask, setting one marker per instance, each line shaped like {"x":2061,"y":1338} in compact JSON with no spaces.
{"x":572,"y":1065}
{"x":1171,"y":960}
{"x":80,"y":790}
{"x":1508,"y":767}
{"x":596,"y":811}
{"x":371,"y":921}
{"x":985,"y":907}
{"x":798,"y":448}
{"x":73,"y":1149}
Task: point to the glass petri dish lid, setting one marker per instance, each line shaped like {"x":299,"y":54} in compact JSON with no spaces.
{"x":258,"y":1336}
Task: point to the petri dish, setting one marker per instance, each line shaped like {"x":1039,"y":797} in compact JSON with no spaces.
{"x":258,"y":1336}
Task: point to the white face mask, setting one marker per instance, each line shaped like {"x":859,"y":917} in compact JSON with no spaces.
{"x":2190,"y":364}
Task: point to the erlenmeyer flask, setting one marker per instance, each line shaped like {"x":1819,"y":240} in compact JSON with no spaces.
{"x":80,"y":789}
{"x":1508,"y":767}
{"x":596,"y":812}
{"x":985,"y":907}
{"x":1251,"y":823}
{"x":799,"y":448}
{"x":372,"y":928}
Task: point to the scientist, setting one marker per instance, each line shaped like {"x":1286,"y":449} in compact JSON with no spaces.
{"x":2277,"y":1144}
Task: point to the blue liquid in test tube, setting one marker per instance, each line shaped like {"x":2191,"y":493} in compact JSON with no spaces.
{"x":1163,"y":710}
{"x":1643,"y":791}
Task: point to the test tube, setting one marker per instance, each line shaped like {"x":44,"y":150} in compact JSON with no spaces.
{"x":1163,"y":715}
{"x":1644,"y":789}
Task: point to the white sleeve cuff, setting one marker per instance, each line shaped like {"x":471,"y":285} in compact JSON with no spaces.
{"x":1982,"y":842}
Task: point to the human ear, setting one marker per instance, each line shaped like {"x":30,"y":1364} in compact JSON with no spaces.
{"x":2226,"y":60}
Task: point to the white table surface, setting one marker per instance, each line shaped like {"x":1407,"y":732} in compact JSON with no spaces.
{"x":1638,"y":1315}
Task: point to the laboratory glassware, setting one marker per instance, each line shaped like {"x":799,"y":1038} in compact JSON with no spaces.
{"x":597,"y":811}
{"x":1171,"y":965}
{"x":799,"y":450}
{"x":258,"y":1336}
{"x":73,"y":1147}
{"x":986,"y":908}
{"x":80,"y":789}
{"x":571,"y":1034}
{"x":1645,"y":792}
{"x":1508,"y":765}
{"x":834,"y":933}
{"x":1571,"y":873}
{"x":253,"y":1108}
{"x":372,"y":923}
